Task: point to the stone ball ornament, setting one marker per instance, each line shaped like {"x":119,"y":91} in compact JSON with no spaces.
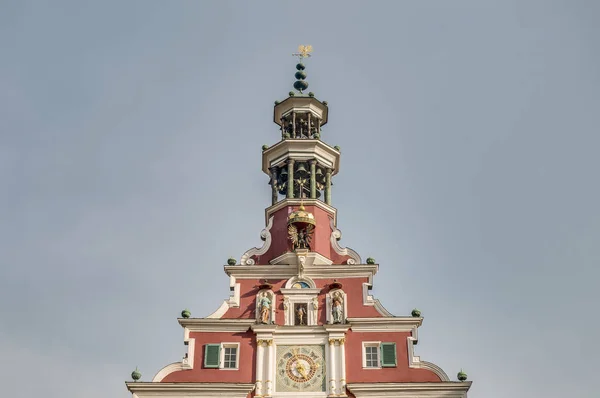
{"x":311,"y":94}
{"x":300,"y":75}
{"x":300,"y":85}
{"x":370,"y":260}
{"x":231,"y":260}
{"x":136,"y":375}
{"x":416,"y":313}
{"x":186,"y":313}
{"x":462,"y":376}
{"x":291,"y":93}
{"x":265,"y":147}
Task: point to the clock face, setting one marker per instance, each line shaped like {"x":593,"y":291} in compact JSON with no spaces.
{"x":300,"y":368}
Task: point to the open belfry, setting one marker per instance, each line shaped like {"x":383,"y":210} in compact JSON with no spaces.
{"x":300,"y":320}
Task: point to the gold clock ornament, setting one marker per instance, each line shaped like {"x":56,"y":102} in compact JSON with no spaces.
{"x":300,"y":368}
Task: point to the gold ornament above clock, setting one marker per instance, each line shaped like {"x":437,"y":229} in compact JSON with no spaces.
{"x":301,"y":368}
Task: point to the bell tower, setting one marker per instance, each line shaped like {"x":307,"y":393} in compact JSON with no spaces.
{"x":300,"y":167}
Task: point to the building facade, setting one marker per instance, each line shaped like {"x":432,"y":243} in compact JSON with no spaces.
{"x":300,"y":320}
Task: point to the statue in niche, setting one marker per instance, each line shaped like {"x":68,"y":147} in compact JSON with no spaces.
{"x":301,"y":237}
{"x":300,"y":312}
{"x":337,"y":309}
{"x":264,"y":305}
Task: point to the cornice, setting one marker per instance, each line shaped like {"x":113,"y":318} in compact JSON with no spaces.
{"x":315,"y":271}
{"x":417,"y":390}
{"x":235,"y":390}
{"x":385,"y":324}
{"x":269,"y":211}
{"x":301,"y":150}
{"x":215,"y":325}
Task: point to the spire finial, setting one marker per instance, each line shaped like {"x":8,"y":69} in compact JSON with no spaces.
{"x":303,"y":52}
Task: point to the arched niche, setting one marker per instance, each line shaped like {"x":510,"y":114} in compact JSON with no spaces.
{"x":336,"y":298}
{"x":265,"y":307}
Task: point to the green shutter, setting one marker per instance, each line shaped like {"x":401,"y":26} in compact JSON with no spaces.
{"x":212,"y":355}
{"x":388,"y":355}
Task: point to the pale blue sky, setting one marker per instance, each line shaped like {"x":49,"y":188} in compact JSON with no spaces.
{"x":130,"y":136}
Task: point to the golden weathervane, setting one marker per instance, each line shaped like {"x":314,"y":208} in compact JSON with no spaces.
{"x":303,"y":51}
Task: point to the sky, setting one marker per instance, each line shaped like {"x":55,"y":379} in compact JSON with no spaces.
{"x":130,"y":166}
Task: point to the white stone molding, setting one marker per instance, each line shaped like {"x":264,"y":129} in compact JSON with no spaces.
{"x":329,"y":304}
{"x":265,"y":235}
{"x":185,"y":364}
{"x":394,"y":324}
{"x":410,"y":390}
{"x":286,"y":271}
{"x":272,"y":297}
{"x":300,"y":296}
{"x":189,"y":390}
{"x":302,"y":151}
{"x":370,"y":301}
{"x":215,"y":325}
{"x":232,"y":302}
{"x":415,"y":361}
{"x":296,"y":202}
{"x":294,"y":258}
{"x":336,"y":235}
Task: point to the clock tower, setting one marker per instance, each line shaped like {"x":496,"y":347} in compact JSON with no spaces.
{"x":300,"y":320}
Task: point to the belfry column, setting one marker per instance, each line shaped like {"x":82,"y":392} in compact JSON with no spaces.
{"x":332,"y":370}
{"x":313,"y":179}
{"x":328,"y":186}
{"x":290,"y":179}
{"x":260,"y":352}
{"x":273,"y":185}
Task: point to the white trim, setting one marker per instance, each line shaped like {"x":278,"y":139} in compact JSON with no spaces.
{"x":335,"y":236}
{"x":366,"y":344}
{"x":232,"y":302}
{"x":269,"y":211}
{"x":222,"y":355}
{"x":394,"y":324}
{"x":301,"y":257}
{"x":215,"y":325}
{"x":301,"y":150}
{"x":181,"y":390}
{"x":301,"y":296}
{"x":265,"y":235}
{"x":370,"y":301}
{"x":412,"y":390}
{"x":315,"y":271}
{"x":415,"y":361}
{"x":186,"y":364}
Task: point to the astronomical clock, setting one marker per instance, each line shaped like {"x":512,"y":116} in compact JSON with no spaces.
{"x":301,"y":368}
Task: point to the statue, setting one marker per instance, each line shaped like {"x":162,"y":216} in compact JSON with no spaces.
{"x":300,"y":314}
{"x":264,"y":305}
{"x":300,"y":238}
{"x":337,"y":310}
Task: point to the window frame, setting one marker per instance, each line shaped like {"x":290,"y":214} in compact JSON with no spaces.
{"x":377,"y":345}
{"x":225,"y":345}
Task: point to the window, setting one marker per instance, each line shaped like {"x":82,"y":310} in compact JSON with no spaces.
{"x":379,"y":355}
{"x":371,"y":356}
{"x":230,"y":357}
{"x":222,"y":356}
{"x":300,"y":285}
